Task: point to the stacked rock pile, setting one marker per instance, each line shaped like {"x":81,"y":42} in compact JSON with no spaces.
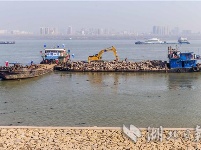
{"x":154,"y":65}
{"x":96,"y":138}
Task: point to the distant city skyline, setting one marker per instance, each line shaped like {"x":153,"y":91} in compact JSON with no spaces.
{"x":155,"y":30}
{"x":130,"y":16}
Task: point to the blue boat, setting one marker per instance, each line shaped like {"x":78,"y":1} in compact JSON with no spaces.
{"x":182,"y":61}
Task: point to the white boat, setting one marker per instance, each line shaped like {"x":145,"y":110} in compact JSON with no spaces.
{"x":183,"y":41}
{"x":154,"y":41}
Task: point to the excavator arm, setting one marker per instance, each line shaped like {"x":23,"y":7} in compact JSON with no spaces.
{"x":99,"y":55}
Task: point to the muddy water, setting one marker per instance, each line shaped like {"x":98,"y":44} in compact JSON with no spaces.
{"x":100,"y":99}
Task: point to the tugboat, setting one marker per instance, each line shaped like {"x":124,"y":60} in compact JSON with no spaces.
{"x":182,"y":62}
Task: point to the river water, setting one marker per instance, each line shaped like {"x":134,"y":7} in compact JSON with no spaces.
{"x":100,"y":99}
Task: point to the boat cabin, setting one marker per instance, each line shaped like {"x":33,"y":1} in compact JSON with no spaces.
{"x":181,"y":60}
{"x":55,"y":55}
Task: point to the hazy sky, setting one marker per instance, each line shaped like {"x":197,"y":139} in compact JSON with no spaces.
{"x":139,"y":16}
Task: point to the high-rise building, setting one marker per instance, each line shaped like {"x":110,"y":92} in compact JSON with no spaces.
{"x":53,"y":31}
{"x":100,"y":31}
{"x":3,"y":31}
{"x":157,"y":30}
{"x":186,"y":32}
{"x":175,"y":31}
{"x":154,"y":29}
{"x":48,"y":31}
{"x":42,"y":30}
{"x":82,"y":31}
{"x":106,"y":31}
{"x":160,"y":30}
{"x":70,"y":30}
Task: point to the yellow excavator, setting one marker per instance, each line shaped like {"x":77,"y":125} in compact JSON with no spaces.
{"x":98,"y":56}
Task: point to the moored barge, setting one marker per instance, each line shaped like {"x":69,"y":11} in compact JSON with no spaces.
{"x":18,"y":71}
{"x":7,"y":42}
{"x":178,"y":62}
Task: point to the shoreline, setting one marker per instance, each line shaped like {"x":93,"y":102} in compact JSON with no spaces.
{"x":33,"y":137}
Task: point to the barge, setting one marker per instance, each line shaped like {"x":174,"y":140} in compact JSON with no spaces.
{"x":7,"y":42}
{"x":178,"y":62}
{"x":59,"y":59}
{"x":17,"y":71}
{"x":51,"y":57}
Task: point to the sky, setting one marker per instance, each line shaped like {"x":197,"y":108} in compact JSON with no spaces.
{"x":139,"y":16}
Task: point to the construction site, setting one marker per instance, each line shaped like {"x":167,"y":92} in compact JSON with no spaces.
{"x":178,"y":62}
